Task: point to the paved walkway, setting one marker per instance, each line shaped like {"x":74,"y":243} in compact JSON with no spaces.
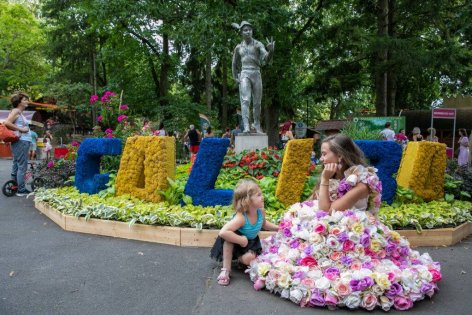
{"x":45,"y":270}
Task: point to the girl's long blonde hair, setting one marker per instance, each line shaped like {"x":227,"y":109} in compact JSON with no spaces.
{"x":245,"y":189}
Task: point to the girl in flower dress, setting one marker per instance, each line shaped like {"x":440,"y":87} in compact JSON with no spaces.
{"x":238,"y":238}
{"x":332,"y":250}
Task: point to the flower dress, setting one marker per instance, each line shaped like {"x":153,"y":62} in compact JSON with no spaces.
{"x":344,"y":259}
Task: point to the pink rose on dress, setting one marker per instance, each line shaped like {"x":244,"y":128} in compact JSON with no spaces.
{"x":436,"y":275}
{"x":330,"y":299}
{"x":342,"y":289}
{"x":259,"y":284}
{"x":124,"y":107}
{"x":369,"y":302}
{"x":336,"y":256}
{"x":121,"y":118}
{"x":308,"y":282}
{"x":319,"y":228}
{"x":402,"y":303}
{"x":309,"y":261}
{"x":348,"y":246}
{"x":100,"y":118}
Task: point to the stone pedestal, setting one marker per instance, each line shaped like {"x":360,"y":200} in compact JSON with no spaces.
{"x":250,"y":142}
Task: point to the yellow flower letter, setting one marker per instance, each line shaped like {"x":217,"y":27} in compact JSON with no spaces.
{"x":422,"y":169}
{"x":294,"y":170}
{"x":146,"y":163}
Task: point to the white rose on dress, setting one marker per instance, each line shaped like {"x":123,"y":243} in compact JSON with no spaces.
{"x":352,"y":301}
{"x":296,"y":295}
{"x":322,"y":284}
{"x":284,"y":280}
{"x":352,"y":180}
{"x":285,"y":294}
{"x":345,"y":276}
{"x":385,"y":303}
{"x":303,"y":234}
{"x":315,"y":274}
{"x":293,"y":254}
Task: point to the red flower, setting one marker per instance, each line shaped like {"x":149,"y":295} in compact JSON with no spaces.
{"x":259,"y":176}
{"x":308,"y":261}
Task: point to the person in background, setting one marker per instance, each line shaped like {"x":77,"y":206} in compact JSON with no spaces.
{"x":432,"y":135}
{"x":463,"y":158}
{"x":388,"y":134}
{"x":193,"y":137}
{"x":227,"y":134}
{"x":48,"y":135}
{"x":286,"y":133}
{"x":47,"y":148}
{"x":234,"y":133}
{"x":161,"y":132}
{"x":417,"y":134}
{"x":401,"y":138}
{"x":33,"y":147}
{"x":17,"y":122}
{"x":209,"y":133}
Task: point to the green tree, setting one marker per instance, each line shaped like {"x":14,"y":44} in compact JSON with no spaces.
{"x":22,"y":60}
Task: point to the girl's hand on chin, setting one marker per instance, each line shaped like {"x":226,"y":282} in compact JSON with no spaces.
{"x":329,"y":170}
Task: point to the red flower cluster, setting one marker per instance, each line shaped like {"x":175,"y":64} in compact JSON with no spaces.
{"x":259,"y":163}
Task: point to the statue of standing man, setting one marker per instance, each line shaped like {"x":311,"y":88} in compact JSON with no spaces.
{"x":248,"y":57}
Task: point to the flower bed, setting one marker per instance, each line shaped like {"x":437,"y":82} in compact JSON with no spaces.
{"x":189,"y":237}
{"x":132,"y":210}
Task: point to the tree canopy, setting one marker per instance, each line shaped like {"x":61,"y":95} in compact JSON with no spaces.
{"x":172,"y":58}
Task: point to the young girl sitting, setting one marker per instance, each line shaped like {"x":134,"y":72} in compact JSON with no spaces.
{"x":238,"y":238}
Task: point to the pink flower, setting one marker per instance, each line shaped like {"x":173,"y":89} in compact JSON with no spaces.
{"x":369,"y":302}
{"x":308,"y":282}
{"x":309,"y":261}
{"x":100,"y":118}
{"x":336,"y":256}
{"x":93,"y":99}
{"x":342,"y":289}
{"x":330,"y":299}
{"x":50,"y":164}
{"x":109,"y":135}
{"x":335,"y":231}
{"x":402,"y":303}
{"x":319,"y":228}
{"x":436,"y":275}
{"x":259,"y":284}
{"x":121,"y":118}
{"x":356,"y":265}
{"x":109,"y":130}
{"x":348,"y":246}
{"x":75,"y":144}
{"x":124,"y":107}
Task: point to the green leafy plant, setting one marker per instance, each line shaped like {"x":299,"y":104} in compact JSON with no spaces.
{"x":356,"y":132}
{"x":404,"y":196}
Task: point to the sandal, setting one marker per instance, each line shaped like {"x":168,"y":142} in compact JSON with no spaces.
{"x":224,"y":277}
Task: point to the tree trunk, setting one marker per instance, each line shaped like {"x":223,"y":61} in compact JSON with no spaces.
{"x":382,"y":54}
{"x":224,"y":93}
{"x":392,"y":76}
{"x":208,"y":86}
{"x":271,"y":119}
{"x":152,"y":68}
{"x":164,"y":76}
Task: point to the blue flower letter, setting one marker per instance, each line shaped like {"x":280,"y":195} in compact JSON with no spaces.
{"x":87,"y":174}
{"x":386,"y":157}
{"x":201,"y":182}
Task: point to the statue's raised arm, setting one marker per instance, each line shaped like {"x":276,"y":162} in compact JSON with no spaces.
{"x":248,"y":58}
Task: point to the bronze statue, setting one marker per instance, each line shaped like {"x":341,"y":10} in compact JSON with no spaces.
{"x":248,"y":58}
